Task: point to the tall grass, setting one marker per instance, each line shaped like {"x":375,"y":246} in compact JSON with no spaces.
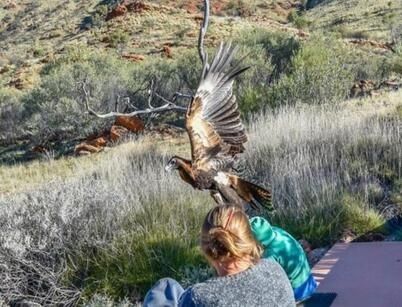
{"x":326,"y":166}
{"x":115,"y":230}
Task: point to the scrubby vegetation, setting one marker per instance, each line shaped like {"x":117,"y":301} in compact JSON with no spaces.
{"x":101,"y":229}
{"x":116,"y":227}
{"x":284,"y":70}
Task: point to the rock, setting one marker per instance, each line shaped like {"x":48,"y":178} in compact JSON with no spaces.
{"x":134,"y":57}
{"x":86,"y":149}
{"x":4,"y":69}
{"x":127,"y":6}
{"x":137,"y":7}
{"x":123,"y":125}
{"x":392,"y":84}
{"x":119,"y":10}
{"x":371,"y":43}
{"x":371,"y":237}
{"x":362,"y":88}
{"x":18,"y":83}
{"x":132,"y":123}
{"x":11,"y":5}
{"x":117,"y":132}
{"x":347,"y":236}
{"x":91,"y":145}
{"x":39,"y":149}
{"x":167,"y":51}
{"x":306,"y":245}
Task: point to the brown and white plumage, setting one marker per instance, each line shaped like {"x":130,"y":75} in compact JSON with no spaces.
{"x":217,"y":136}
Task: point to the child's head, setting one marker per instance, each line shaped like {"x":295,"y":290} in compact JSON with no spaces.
{"x":226,"y":235}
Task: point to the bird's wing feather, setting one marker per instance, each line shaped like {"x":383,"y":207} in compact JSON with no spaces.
{"x":213,"y":120}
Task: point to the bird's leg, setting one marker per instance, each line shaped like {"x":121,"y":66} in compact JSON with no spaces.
{"x":217,"y":197}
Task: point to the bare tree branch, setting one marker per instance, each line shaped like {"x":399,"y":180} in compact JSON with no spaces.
{"x":169,"y":106}
{"x":203,"y":30}
{"x":116,"y":105}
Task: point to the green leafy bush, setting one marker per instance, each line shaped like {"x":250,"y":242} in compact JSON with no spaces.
{"x":396,"y":63}
{"x":57,"y":105}
{"x":317,"y":75}
{"x":12,"y":113}
{"x":298,"y":19}
{"x":241,"y":8}
{"x":279,"y":47}
{"x":116,"y":38}
{"x":251,"y":87}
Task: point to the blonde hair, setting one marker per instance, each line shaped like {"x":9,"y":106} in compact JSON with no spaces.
{"x":226,"y":234}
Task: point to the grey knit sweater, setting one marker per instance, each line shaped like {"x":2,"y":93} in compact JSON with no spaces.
{"x":264,"y":284}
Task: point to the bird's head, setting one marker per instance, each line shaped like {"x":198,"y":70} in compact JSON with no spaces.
{"x":172,"y":164}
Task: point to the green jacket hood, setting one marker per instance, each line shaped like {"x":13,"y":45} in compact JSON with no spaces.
{"x":262,"y":230}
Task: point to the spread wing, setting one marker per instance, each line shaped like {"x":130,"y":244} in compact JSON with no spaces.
{"x":213,"y":120}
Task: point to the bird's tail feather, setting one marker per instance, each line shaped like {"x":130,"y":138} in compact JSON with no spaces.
{"x":256,"y":196}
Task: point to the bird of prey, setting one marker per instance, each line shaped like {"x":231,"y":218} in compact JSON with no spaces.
{"x":217,"y":136}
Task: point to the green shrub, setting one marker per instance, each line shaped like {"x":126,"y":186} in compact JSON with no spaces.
{"x":251,"y":87}
{"x":269,"y":54}
{"x":279,"y":47}
{"x":320,"y":226}
{"x":116,"y":38}
{"x":396,"y":63}
{"x":359,"y":218}
{"x":241,"y":8}
{"x":12,"y":114}
{"x":346,"y":32}
{"x":376,"y":68}
{"x":96,"y":19}
{"x":318,"y":74}
{"x":57,"y":105}
{"x":298,"y":19}
{"x":38,"y":50}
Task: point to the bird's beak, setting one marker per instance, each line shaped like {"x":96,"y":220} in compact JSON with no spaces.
{"x":168,"y":168}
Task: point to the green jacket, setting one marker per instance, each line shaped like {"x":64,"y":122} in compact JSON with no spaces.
{"x":282,"y":247}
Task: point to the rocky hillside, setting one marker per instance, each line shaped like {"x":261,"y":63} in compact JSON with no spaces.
{"x":36,"y":32}
{"x":49,"y":46}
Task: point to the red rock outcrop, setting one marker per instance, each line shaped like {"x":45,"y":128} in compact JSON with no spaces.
{"x":133,"y":123}
{"x":127,"y":6}
{"x":117,"y":132}
{"x":362,"y":88}
{"x":119,"y":10}
{"x":167,"y":51}
{"x":134,"y":57}
{"x":136,"y":6}
{"x":123,"y":126}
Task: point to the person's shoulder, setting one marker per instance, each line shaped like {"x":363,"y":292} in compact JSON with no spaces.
{"x":270,"y":266}
{"x":267,"y":263}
